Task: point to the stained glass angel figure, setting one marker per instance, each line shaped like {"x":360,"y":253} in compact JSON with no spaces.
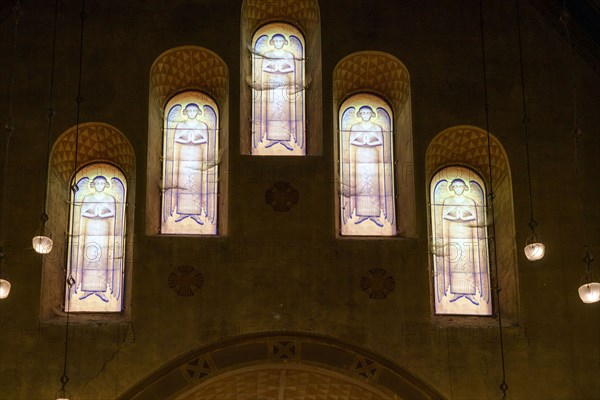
{"x":461,"y":276}
{"x":96,"y":241}
{"x":278,"y":92}
{"x":366,"y":168}
{"x":190,"y":168}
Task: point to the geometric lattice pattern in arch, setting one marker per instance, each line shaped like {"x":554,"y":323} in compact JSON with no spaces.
{"x":305,"y":13}
{"x":467,"y":145}
{"x":372,"y":71}
{"x":288,"y":383}
{"x":96,"y":141}
{"x":189,"y":67}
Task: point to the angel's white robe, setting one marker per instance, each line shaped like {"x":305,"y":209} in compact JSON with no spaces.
{"x":459,"y":216}
{"x":97,"y":221}
{"x":278,"y":77}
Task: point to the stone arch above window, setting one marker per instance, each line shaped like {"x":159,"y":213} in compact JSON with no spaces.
{"x":96,"y":143}
{"x":304,"y":12}
{"x":303,"y":16}
{"x":281,"y":365}
{"x":467,"y":146}
{"x":380,"y":72}
{"x":186,"y":68}
{"x":384,"y":76}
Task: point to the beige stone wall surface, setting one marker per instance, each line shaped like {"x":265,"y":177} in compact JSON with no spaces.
{"x":290,"y":271}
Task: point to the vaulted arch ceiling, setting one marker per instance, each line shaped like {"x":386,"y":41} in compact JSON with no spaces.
{"x":281,"y":366}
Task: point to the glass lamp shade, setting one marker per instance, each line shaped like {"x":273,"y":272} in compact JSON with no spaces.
{"x":42,"y":244}
{"x":4,"y":288}
{"x":590,"y":292}
{"x":62,"y":394}
{"x":535,"y":251}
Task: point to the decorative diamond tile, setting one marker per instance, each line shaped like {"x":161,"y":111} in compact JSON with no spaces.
{"x":364,"y":367}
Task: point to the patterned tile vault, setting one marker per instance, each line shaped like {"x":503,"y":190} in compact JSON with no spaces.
{"x":375,"y":71}
{"x":468,"y":145}
{"x":188,"y":67}
{"x":305,"y":11}
{"x":282,"y":384}
{"x":96,"y":141}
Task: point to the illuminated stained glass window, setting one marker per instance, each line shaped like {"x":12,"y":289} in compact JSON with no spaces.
{"x":96,"y":240}
{"x":190,"y":165}
{"x":366,"y":167}
{"x":278,"y":122}
{"x":459,"y":241}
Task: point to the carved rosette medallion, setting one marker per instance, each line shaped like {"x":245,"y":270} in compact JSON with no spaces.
{"x":281,"y":196}
{"x":185,"y":280}
{"x":377,"y":283}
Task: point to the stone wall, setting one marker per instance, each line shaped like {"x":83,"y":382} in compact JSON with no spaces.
{"x":289,"y":271}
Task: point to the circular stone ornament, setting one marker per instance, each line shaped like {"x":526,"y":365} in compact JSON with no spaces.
{"x":281,"y":196}
{"x":185,"y":280}
{"x":377,"y":283}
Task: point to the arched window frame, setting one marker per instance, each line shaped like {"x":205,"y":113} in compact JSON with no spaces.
{"x":304,"y":15}
{"x":97,"y":143}
{"x":385,"y":76}
{"x":467,"y":145}
{"x":180,"y":69}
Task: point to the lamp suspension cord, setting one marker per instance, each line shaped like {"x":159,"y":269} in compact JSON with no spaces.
{"x":532,"y":223}
{"x":587,"y":259}
{"x":503,"y":385}
{"x":64,"y":379}
{"x":79,"y":98}
{"x":44,"y":215}
{"x":565,"y":18}
{"x":9,"y":127}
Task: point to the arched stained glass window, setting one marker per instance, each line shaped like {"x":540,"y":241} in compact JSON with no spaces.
{"x":366,"y":142}
{"x":190,"y":165}
{"x":278,"y":120}
{"x":96,"y":258}
{"x":459,"y":239}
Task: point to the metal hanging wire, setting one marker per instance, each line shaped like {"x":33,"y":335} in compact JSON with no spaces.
{"x":492,"y":240}
{"x":589,"y":290}
{"x":69,"y":280}
{"x":42,"y":242}
{"x":9,"y":130}
{"x":534,"y":249}
{"x":565,"y":18}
